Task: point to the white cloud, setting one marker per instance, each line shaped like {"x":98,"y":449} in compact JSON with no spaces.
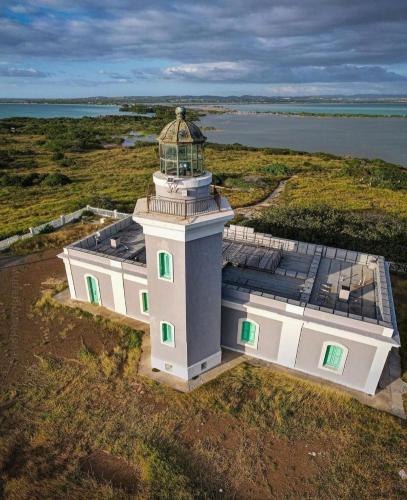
{"x":10,"y":71}
{"x":210,"y":71}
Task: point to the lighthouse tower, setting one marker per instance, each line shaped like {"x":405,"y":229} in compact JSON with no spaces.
{"x":183,"y":225}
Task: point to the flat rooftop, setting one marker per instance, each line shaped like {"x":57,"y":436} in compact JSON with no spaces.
{"x":309,"y":274}
{"x":123,"y":240}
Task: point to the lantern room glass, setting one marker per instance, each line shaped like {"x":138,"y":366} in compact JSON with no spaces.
{"x":181,"y":160}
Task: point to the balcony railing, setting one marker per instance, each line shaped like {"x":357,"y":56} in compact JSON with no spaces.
{"x":184,"y":208}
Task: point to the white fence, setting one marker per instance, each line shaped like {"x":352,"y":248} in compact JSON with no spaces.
{"x":61,"y":221}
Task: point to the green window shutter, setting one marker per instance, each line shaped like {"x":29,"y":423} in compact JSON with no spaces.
{"x":145,"y":301}
{"x":164,"y":331}
{"x":333,"y":356}
{"x":93,"y":290}
{"x":252,"y":335}
{"x":165,"y":265}
{"x":248,"y":333}
{"x":167,"y":333}
{"x":162,"y":264}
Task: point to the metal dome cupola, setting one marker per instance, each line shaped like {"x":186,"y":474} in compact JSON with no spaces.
{"x":181,"y":144}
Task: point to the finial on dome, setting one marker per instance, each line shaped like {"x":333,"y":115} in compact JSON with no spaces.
{"x":180,"y":112}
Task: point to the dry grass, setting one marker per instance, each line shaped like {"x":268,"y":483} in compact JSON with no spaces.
{"x":59,"y":238}
{"x":120,"y":176}
{"x":343,"y":193}
{"x":216,"y":442}
{"x":251,"y":433}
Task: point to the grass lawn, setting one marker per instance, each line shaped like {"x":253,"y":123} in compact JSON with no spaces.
{"x":250,"y":433}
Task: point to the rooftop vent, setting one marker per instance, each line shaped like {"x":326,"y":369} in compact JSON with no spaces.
{"x":115,"y":241}
{"x":344,"y":292}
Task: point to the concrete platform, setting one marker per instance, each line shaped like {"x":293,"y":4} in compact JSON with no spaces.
{"x":229,"y":360}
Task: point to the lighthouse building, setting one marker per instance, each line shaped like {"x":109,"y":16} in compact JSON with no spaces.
{"x":205,"y":288}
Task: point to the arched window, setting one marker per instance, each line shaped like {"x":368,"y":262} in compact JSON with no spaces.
{"x":167,"y":333}
{"x":164,"y":262}
{"x":333,"y":357}
{"x":248,"y":333}
{"x":92,"y":289}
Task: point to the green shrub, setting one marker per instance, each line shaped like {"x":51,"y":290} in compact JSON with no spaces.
{"x":47,"y":229}
{"x":32,"y":179}
{"x":277,"y":169}
{"x":87,"y":213}
{"x":58,"y":155}
{"x":376,"y":173}
{"x":56,"y":179}
{"x":67,"y":162}
{"x":10,"y":180}
{"x":376,"y":234}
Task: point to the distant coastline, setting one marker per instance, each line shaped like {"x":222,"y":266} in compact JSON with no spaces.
{"x":316,"y":115}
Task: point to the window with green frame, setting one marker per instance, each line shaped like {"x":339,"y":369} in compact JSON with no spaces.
{"x":333,"y":357}
{"x":248,"y":332}
{"x":167,"y":333}
{"x":144,"y":302}
{"x":165,"y":265}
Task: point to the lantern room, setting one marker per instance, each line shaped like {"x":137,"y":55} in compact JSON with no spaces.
{"x":181,"y":145}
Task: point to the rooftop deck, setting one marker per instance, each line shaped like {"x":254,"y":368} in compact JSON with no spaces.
{"x":122,"y":240}
{"x":309,"y":274}
{"x":332,"y":274}
{"x":260,"y":281}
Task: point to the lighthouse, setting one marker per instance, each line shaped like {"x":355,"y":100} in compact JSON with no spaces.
{"x":183,"y":222}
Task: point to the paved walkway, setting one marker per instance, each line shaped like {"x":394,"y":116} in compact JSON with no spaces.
{"x":388,"y":398}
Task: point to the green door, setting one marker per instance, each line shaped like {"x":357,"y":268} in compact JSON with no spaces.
{"x":333,"y":357}
{"x":93,"y":290}
{"x":248,"y":333}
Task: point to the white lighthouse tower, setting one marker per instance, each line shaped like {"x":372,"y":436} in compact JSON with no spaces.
{"x":183,"y":225}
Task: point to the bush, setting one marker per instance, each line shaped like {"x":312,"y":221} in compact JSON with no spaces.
{"x":58,"y":155}
{"x":47,"y":229}
{"x":376,"y":173}
{"x":376,"y":234}
{"x":21,"y":180}
{"x":87,"y":213}
{"x":56,"y":179}
{"x":277,"y":169}
{"x":32,"y":179}
{"x":67,"y":162}
{"x":10,"y":180}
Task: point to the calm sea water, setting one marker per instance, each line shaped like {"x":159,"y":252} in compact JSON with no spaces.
{"x":335,"y":108}
{"x":55,"y":110}
{"x":384,"y":138}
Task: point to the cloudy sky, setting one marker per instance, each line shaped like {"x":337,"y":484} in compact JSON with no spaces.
{"x":62,"y":48}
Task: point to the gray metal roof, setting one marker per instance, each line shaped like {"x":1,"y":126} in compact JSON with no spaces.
{"x":181,"y":131}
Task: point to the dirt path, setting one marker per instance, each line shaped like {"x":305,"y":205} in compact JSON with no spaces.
{"x":252,"y":210}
